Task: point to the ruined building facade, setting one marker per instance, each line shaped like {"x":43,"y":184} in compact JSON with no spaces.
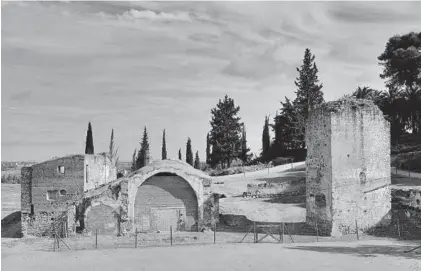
{"x":348,"y":167}
{"x":52,"y":187}
{"x":81,"y":194}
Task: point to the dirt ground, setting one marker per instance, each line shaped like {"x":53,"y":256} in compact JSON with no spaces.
{"x":263,"y":210}
{"x":10,"y":199}
{"x":363,"y":255}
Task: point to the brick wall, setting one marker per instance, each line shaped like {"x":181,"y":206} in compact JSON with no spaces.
{"x":47,"y":177}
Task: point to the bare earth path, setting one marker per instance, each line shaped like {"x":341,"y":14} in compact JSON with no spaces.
{"x":364,"y":255}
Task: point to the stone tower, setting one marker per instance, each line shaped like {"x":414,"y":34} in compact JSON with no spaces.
{"x":348,"y":166}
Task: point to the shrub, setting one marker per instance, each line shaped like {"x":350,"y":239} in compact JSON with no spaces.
{"x":282,"y":160}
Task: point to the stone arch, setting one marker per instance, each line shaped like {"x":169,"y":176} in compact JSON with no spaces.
{"x":137,"y":180}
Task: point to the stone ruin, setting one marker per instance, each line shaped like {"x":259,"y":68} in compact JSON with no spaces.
{"x":348,"y":174}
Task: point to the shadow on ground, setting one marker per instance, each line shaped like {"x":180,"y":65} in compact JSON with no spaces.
{"x":402,"y":180}
{"x":299,"y":201}
{"x":291,"y":176}
{"x":11,"y":226}
{"x":367,"y":251}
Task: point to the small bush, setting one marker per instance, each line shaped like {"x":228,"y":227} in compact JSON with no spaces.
{"x":282,"y":161}
{"x":238,"y":170}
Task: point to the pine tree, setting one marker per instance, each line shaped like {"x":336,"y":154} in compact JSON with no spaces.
{"x":244,"y":156}
{"x":179,"y":155}
{"x":112,"y":150}
{"x":134,"y":165}
{"x":89,"y":148}
{"x":208,"y":150}
{"x":309,"y":95}
{"x":197,"y":161}
{"x":143,"y":154}
{"x":265,"y":140}
{"x":225,"y":132}
{"x":164,"y":147}
{"x":308,"y":92}
{"x":189,"y":152}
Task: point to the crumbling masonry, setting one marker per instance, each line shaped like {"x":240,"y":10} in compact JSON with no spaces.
{"x":348,"y":167}
{"x":52,"y":189}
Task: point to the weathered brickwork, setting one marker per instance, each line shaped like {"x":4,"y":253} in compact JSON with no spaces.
{"x":348,"y":163}
{"x":53,"y":188}
{"x":60,"y":190}
{"x":26,"y":189}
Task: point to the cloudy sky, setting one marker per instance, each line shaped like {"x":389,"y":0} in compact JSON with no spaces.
{"x":124,"y":65}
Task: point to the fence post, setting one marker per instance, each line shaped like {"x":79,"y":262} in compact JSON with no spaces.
{"x":171,"y":234}
{"x":280,"y":234}
{"x":317,"y":231}
{"x":96,"y":238}
{"x":356,"y":227}
{"x":399,"y":230}
{"x":214,"y":234}
{"x":135,"y":240}
{"x":283,"y":230}
{"x":254,"y":232}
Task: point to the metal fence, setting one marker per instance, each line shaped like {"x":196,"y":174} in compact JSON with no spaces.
{"x":281,"y":233}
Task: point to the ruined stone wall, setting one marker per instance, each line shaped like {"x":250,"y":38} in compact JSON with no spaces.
{"x":319,"y":170}
{"x":211,"y":210}
{"x":348,"y":166}
{"x":99,"y":170}
{"x":26,"y":189}
{"x":360,"y":147}
{"x":67,"y":184}
{"x":48,"y":190}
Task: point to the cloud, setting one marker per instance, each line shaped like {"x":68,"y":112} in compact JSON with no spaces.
{"x":124,"y":65}
{"x":373,"y":13}
{"x":155,"y":16}
{"x":26,"y":142}
{"x":21,"y":96}
{"x":254,"y":66}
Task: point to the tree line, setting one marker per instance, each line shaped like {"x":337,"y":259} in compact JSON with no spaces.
{"x":226,"y":141}
{"x":141,"y":156}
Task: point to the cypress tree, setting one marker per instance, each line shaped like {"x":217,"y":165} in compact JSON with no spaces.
{"x":143,"y":154}
{"x":208,"y":151}
{"x":197,"y":160}
{"x":89,"y":148}
{"x":164,"y":147}
{"x":179,"y":155}
{"x":189,"y":152}
{"x":112,"y":150}
{"x":134,"y":165}
{"x":265,"y":140}
{"x":244,"y":156}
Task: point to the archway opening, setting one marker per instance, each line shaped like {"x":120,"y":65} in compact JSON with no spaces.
{"x":164,"y":201}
